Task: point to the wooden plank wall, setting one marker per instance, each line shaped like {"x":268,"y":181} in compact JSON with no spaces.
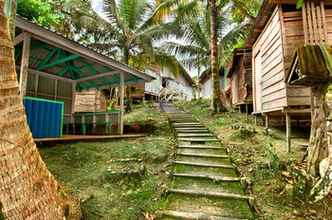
{"x":294,"y":37}
{"x":47,"y":88}
{"x":328,"y":14}
{"x":90,"y":101}
{"x":269,"y":48}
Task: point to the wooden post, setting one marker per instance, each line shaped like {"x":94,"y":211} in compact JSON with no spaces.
{"x":55,"y":89}
{"x":288,"y":132}
{"x":247,"y":112}
{"x":122,"y":93}
{"x":267,"y":124}
{"x":73,"y":98}
{"x":36,"y":84}
{"x":94,"y":122}
{"x":25,"y":63}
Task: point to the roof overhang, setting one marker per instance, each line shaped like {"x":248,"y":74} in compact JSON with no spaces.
{"x":76,"y":51}
{"x":311,"y":65}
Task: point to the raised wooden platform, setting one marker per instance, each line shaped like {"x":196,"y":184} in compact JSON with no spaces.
{"x":87,"y":137}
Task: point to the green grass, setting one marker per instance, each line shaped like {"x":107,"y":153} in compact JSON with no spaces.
{"x":82,"y":168}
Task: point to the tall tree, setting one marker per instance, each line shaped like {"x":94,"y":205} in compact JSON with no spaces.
{"x":216,"y":99}
{"x":28,"y":190}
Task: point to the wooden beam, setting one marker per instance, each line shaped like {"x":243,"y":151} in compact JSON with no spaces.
{"x":56,"y":40}
{"x":55,"y":89}
{"x":48,"y":75}
{"x":20,"y":38}
{"x":60,"y":61}
{"x":36,"y":84}
{"x":122,"y":94}
{"x":88,"y":78}
{"x":267,"y":124}
{"x":25,"y":63}
{"x":288,"y":132}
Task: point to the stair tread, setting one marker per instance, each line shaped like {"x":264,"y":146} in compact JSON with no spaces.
{"x":209,"y":193}
{"x":195,"y":135}
{"x":201,"y":147}
{"x":213,"y":165}
{"x":203,"y":155}
{"x":195,"y":215}
{"x":208,"y":176}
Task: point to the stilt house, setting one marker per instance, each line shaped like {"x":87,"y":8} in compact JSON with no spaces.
{"x":51,"y":69}
{"x":206,"y":84}
{"x":279,"y":29}
{"x":240,"y":77}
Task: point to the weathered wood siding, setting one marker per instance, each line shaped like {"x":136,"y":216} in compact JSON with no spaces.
{"x":90,"y":101}
{"x":47,"y":88}
{"x":242,"y":81}
{"x":268,"y":61}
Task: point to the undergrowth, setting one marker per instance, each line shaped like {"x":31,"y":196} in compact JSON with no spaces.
{"x":82,"y":167}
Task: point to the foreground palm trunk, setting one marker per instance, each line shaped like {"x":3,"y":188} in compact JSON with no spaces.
{"x":216,"y":99}
{"x":27,"y":189}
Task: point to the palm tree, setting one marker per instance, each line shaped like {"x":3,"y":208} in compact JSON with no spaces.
{"x":135,"y":26}
{"x":28,"y":190}
{"x":193,"y":46}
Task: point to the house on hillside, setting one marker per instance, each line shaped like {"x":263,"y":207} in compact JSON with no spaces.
{"x":148,"y":90}
{"x":279,"y":29}
{"x":176,"y":88}
{"x":240,"y":78}
{"x":52,"y":69}
{"x":206,"y":85}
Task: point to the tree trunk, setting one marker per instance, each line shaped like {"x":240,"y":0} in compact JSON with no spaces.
{"x":28,"y":190}
{"x":320,"y":157}
{"x":216,"y":101}
{"x":318,"y":135}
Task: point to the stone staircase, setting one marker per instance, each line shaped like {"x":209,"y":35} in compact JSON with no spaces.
{"x":205,"y":184}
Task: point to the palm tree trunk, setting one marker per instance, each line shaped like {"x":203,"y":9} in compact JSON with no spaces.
{"x":28,"y":190}
{"x":216,"y":101}
{"x":318,"y":135}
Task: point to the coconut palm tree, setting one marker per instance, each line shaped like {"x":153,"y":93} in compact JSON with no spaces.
{"x":193,"y":46}
{"x":135,"y":26}
{"x":28,"y":190}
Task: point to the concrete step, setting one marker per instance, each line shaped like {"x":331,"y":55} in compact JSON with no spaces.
{"x":207,"y":176}
{"x":202,"y":155}
{"x":185,"y":131}
{"x":195,"y":135}
{"x":193,"y":139}
{"x":194,"y":215}
{"x":210,"y":194}
{"x":193,"y":146}
{"x":212,"y":165}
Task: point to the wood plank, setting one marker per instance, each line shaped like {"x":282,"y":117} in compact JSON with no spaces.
{"x":324,"y":19}
{"x":25,"y":63}
{"x":122,"y":108}
{"x":87,"y":137}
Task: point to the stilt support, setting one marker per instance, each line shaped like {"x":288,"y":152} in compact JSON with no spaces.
{"x":288,"y":132}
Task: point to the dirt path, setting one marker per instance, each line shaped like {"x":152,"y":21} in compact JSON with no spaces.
{"x":205,"y":184}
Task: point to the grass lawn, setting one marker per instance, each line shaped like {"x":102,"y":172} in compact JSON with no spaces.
{"x":85,"y":169}
{"x":273,"y":176}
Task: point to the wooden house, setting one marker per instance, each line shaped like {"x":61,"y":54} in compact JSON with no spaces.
{"x":279,"y":29}
{"x":51,"y":69}
{"x":240,"y":77}
{"x":176,"y":87}
{"x":206,"y":84}
{"x":148,"y":90}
